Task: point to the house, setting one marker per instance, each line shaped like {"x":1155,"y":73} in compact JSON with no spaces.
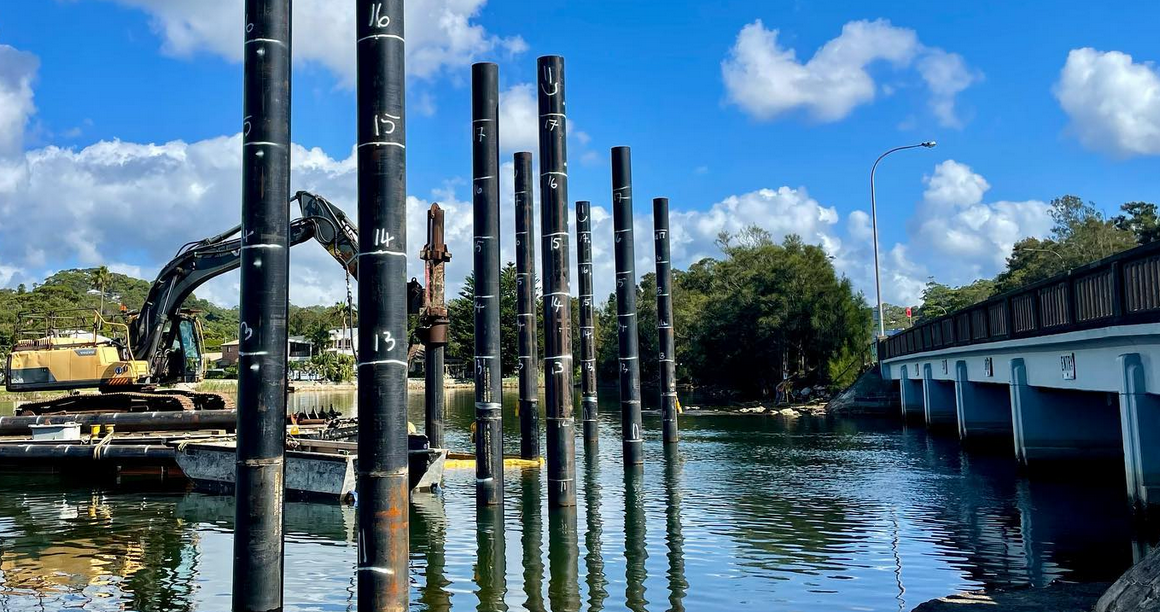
{"x":343,"y":341}
{"x":229,"y":354}
{"x":299,"y":349}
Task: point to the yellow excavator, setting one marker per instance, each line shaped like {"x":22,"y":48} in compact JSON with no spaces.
{"x":130,"y":360}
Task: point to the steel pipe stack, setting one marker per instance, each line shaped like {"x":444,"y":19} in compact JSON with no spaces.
{"x":668,"y":364}
{"x":557,"y":294}
{"x":588,"y":406}
{"x":626,"y":306}
{"x":485,"y":198}
{"x":529,"y":403}
{"x":383,"y":505}
{"x":264,"y":299}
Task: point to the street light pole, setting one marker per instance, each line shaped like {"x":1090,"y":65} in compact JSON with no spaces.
{"x":874,"y":224}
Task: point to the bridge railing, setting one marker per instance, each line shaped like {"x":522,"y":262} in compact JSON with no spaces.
{"x":1120,"y":290}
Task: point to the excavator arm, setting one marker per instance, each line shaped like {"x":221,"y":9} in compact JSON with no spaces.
{"x":151,"y":329}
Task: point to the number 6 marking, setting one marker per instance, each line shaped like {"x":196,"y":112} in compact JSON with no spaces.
{"x":378,"y":19}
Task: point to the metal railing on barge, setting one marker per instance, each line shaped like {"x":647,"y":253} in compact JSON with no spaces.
{"x":1123,"y":289}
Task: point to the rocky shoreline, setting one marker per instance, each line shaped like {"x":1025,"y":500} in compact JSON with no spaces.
{"x":1055,"y":597}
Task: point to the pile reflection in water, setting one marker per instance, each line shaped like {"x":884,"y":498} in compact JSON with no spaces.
{"x":751,"y":513}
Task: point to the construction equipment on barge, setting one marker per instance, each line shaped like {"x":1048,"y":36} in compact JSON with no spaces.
{"x":132,"y":361}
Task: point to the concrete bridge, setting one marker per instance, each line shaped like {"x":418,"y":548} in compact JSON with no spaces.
{"x":1067,"y":369}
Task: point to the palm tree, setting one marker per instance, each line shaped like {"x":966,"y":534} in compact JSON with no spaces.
{"x":100,"y":279}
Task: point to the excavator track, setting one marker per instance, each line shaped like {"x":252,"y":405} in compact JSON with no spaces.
{"x":201,"y":400}
{"x":111,"y":402}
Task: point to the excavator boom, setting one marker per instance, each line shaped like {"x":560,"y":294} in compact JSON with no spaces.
{"x":196,"y":263}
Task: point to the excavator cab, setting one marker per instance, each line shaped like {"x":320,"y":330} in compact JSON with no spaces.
{"x":182,"y":361}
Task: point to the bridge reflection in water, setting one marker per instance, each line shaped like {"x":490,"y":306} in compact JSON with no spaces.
{"x":754,"y":513}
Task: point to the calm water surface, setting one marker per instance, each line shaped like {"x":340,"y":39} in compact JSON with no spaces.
{"x":753,"y":513}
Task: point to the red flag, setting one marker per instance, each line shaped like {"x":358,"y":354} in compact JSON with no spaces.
{"x":908,"y":315}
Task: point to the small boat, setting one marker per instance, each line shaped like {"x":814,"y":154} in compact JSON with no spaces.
{"x":314,"y":468}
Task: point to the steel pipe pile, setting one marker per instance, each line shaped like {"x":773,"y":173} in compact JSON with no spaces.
{"x":667,"y":350}
{"x":383,"y":488}
{"x":588,"y":404}
{"x":529,"y":403}
{"x":557,"y":294}
{"x":488,"y":371}
{"x":264,"y":299}
{"x":627,"y":333}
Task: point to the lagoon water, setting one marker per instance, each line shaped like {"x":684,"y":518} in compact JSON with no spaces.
{"x":752,"y":513}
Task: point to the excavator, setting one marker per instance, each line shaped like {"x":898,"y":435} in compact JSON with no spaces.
{"x":130,"y":361}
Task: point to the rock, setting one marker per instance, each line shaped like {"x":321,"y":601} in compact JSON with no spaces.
{"x":1137,"y":590}
{"x":788,"y":412}
{"x":814,"y":410}
{"x":1056,"y":597}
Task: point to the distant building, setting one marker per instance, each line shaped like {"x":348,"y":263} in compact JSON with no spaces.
{"x":298,"y":349}
{"x":343,"y":341}
{"x":229,"y":354}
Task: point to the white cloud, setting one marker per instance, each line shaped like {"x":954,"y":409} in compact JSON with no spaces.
{"x":132,"y":205}
{"x":975,"y":237}
{"x":1113,"y":102}
{"x":17,"y":71}
{"x":519,"y":119}
{"x":953,"y":233}
{"x":781,"y":211}
{"x":127,"y":202}
{"x":440,"y":33}
{"x":767,"y":80}
{"x":946,"y":75}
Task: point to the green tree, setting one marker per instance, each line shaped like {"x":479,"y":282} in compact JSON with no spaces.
{"x":776,"y":311}
{"x":334,"y":367}
{"x":99,"y":279}
{"x":939,"y":299}
{"x":1140,"y":218}
{"x":1080,"y":236}
{"x":461,"y":312}
{"x":895,"y":317}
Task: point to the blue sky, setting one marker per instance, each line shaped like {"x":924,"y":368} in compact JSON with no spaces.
{"x":740,"y":112}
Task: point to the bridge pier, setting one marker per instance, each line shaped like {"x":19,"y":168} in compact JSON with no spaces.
{"x":1060,"y":424}
{"x":984,"y":409}
{"x":938,"y":401}
{"x":911,"y":397}
{"x":1140,"y":423}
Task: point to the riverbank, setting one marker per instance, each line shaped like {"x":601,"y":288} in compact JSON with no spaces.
{"x":1056,"y":597}
{"x":315,"y":386}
